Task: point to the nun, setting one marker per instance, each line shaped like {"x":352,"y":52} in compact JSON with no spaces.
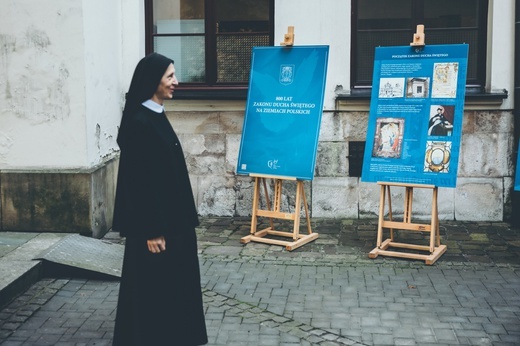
{"x":160,"y":298}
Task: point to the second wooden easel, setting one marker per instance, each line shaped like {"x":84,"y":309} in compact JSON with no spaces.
{"x":274,"y":212}
{"x":434,"y":250}
{"x":411,"y":251}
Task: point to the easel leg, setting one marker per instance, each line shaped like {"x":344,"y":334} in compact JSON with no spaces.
{"x":277,"y":195}
{"x":434,"y":237}
{"x":307,"y":216}
{"x":381,"y":216}
{"x":390,"y":217}
{"x":267,"y":202}
{"x":408,"y":200}
{"x":256,"y":199}
{"x":297,"y":209}
{"x":437,"y":230}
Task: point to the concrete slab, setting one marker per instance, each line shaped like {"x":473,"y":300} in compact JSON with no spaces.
{"x":18,"y":269}
{"x":86,"y":253}
{"x":30,"y":249}
{"x":12,"y":270}
{"x":10,"y":241}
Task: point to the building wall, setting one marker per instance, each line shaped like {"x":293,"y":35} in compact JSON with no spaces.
{"x":211,"y":133}
{"x":65,"y":66}
{"x":63,"y":75}
{"x":321,"y":22}
{"x":103,"y":78}
{"x":211,"y":142}
{"x":41,"y":67}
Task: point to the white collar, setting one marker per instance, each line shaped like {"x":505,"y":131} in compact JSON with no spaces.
{"x":154,"y":106}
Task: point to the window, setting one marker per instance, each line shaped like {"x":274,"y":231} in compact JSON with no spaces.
{"x":384,"y":23}
{"x":209,"y":40}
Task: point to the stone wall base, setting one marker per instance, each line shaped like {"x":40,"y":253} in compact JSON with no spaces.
{"x":80,"y":201}
{"x":211,"y":143}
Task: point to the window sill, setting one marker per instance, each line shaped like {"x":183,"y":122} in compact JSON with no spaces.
{"x":229,"y":93}
{"x":359,"y":100}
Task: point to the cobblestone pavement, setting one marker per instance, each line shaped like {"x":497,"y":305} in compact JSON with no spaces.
{"x":327,"y":292}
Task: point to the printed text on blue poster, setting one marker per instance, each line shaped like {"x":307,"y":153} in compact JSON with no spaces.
{"x":283,"y":111}
{"x":416,"y":110}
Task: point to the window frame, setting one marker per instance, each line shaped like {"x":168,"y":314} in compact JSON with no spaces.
{"x":476,"y":85}
{"x":211,"y":89}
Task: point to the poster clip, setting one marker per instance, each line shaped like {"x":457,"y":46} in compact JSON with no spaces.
{"x":418,"y":38}
{"x":288,"y":39}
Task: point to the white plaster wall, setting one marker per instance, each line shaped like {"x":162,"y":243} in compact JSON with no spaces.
{"x":103,"y":70}
{"x":320,"y":22}
{"x":42,"y":78}
{"x":114,"y":43}
{"x":65,"y":66}
{"x":132,"y":39}
{"x":501,"y":48}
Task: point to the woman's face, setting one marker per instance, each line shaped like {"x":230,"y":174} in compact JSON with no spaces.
{"x":166,"y":86}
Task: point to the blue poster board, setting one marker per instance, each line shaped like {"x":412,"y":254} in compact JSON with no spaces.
{"x":517,"y":174}
{"x":416,"y":109}
{"x":283,"y":111}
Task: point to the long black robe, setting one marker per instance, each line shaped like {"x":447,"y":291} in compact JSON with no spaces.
{"x":160,"y":300}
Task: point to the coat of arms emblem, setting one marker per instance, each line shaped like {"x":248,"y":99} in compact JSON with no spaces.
{"x":286,"y":74}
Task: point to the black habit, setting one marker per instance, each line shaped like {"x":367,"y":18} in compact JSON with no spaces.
{"x":160,"y":300}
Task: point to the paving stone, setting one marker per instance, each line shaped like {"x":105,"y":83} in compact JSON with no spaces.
{"x":319,"y":294}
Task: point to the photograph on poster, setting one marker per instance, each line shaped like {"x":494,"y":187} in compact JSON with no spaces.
{"x":445,"y":80}
{"x":437,"y":157}
{"x":441,"y":120}
{"x":391,"y":87}
{"x":417,"y":87}
{"x":388,"y":138}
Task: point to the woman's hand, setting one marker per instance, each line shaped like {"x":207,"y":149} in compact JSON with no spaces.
{"x":156,"y":245}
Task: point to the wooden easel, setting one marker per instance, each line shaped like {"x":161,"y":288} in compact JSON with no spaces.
{"x":275,"y":212}
{"x":435,"y":249}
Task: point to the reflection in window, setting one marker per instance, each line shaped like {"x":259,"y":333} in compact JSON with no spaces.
{"x":178,"y":26}
{"x":384,"y":23}
{"x":209,"y":40}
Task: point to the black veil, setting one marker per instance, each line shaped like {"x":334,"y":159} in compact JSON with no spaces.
{"x":147,"y":76}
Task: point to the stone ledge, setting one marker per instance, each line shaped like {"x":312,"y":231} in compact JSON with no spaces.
{"x":66,"y":201}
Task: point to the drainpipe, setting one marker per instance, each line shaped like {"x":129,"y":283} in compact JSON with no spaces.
{"x":515,"y":215}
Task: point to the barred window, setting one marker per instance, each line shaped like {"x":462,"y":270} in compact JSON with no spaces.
{"x":383,"y":23}
{"x":210,"y":40}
